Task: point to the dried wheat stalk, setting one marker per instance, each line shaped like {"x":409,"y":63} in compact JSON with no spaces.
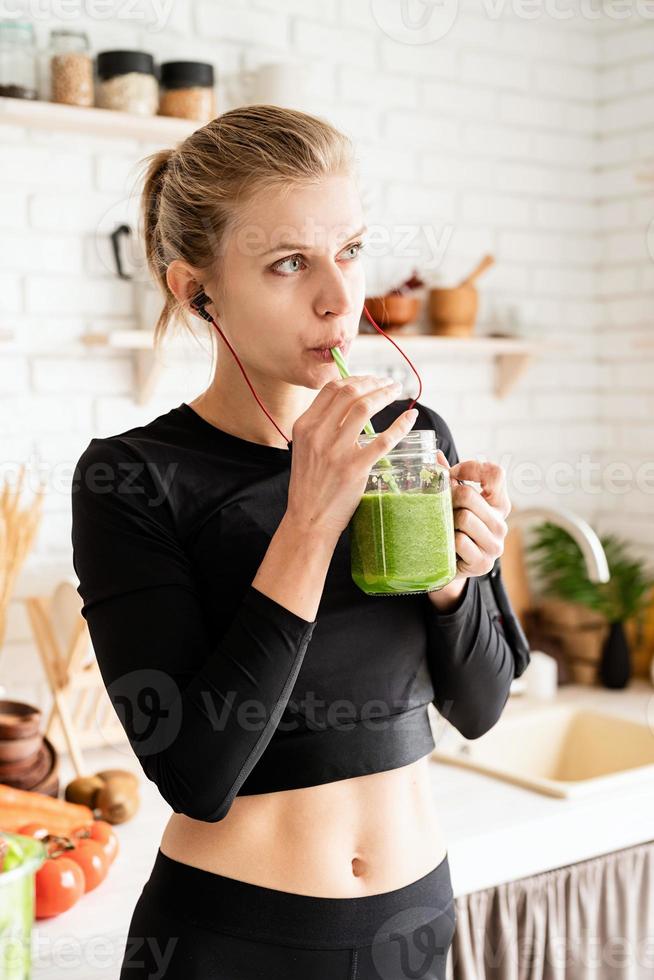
{"x":18,"y":527}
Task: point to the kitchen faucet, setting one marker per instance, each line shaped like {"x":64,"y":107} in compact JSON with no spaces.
{"x":591,"y":547}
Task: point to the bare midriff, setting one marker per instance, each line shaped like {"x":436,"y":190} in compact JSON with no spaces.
{"x":359,"y":836}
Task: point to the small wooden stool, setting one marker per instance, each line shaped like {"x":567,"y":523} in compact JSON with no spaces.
{"x":82,"y":715}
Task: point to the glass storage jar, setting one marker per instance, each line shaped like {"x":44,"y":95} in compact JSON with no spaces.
{"x":187,"y":90}
{"x":17,"y":60}
{"x":402,"y":532}
{"x":71,"y":68}
{"x":127,"y":82}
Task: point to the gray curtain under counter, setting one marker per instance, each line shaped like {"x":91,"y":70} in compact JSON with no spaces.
{"x":593,"y":920}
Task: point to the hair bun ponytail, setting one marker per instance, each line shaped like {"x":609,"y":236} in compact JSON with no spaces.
{"x":151,"y":208}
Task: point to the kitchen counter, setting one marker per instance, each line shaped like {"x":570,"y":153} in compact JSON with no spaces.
{"x":498,"y":832}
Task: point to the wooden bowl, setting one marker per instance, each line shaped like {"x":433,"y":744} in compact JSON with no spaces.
{"x":50,"y":782}
{"x":453,"y":311}
{"x":393,"y":311}
{"x":18,"y":720}
{"x":26,"y":777}
{"x":19,"y":749}
{"x":43,"y":777}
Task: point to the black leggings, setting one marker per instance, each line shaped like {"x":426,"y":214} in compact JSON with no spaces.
{"x":190,"y":924}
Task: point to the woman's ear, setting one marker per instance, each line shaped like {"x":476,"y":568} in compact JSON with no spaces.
{"x":182,"y":280}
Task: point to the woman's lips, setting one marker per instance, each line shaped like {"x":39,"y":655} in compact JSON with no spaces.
{"x":325,"y":353}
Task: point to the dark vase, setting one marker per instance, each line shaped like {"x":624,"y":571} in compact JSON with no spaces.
{"x":615,"y":665}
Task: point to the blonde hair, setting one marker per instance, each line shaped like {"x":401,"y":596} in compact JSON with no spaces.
{"x":194,"y":194}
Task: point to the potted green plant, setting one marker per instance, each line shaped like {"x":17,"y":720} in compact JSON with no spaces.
{"x":559,"y":562}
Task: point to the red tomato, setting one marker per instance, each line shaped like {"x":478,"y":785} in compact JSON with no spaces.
{"x":90,"y":856}
{"x":102,"y":832}
{"x":37,"y":830}
{"x":59,"y":885}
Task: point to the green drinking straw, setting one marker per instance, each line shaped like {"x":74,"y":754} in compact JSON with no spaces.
{"x":340,"y":364}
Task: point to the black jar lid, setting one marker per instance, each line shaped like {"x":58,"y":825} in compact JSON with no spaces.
{"x":112,"y":63}
{"x":180,"y":74}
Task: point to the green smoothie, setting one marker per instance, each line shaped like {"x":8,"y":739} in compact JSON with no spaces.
{"x":21,"y":858}
{"x":403,"y":542}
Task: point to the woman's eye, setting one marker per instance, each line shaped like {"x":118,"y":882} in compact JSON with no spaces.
{"x":284,"y":262}
{"x":279,"y":266}
{"x":356,"y":245}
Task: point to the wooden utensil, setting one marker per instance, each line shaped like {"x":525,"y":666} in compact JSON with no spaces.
{"x":484,"y":264}
{"x":453,"y":310}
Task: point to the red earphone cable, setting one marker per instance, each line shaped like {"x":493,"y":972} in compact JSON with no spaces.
{"x":211,"y":319}
{"x":263,"y":407}
{"x":407,"y":359}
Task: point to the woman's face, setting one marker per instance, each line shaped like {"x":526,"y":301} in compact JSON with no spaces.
{"x":292,"y":280}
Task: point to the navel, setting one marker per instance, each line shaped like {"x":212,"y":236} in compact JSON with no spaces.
{"x":358,"y":867}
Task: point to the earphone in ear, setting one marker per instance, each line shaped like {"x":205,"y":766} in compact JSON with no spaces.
{"x":198,"y":303}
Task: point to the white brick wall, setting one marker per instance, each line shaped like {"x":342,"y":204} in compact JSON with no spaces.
{"x":626,"y":272}
{"x":521,"y":135}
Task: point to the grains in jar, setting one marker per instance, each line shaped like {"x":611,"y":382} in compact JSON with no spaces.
{"x":71,"y":68}
{"x":127,"y":83}
{"x":187,"y":90}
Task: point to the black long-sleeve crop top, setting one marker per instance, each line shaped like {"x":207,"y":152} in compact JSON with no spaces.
{"x":221,"y":690}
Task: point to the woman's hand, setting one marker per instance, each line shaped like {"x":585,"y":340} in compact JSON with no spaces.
{"x":479,"y":523}
{"x":329,"y":469}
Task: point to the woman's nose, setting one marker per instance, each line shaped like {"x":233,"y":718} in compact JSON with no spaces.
{"x":334,"y":294}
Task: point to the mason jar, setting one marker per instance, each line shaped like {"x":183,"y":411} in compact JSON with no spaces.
{"x":402,"y":532}
{"x":71,"y":67}
{"x":18,"y":69}
{"x":187,"y":90}
{"x":127,"y":82}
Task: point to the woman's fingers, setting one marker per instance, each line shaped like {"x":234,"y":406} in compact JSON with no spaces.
{"x":473,"y":526}
{"x":331,"y":404}
{"x":468,"y":554}
{"x":492,"y":478}
{"x":464,"y":496}
{"x":387,"y":440}
{"x":366,"y":404}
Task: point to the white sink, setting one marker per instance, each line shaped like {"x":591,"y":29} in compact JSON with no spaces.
{"x":561,"y":750}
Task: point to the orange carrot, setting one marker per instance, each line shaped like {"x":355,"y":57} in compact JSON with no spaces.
{"x":29,"y":800}
{"x":13,"y":818}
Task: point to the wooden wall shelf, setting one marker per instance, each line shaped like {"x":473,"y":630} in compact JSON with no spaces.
{"x":89,"y":121}
{"x":511,"y":355}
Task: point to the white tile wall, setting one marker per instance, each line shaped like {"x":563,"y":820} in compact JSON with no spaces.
{"x":516,"y":132}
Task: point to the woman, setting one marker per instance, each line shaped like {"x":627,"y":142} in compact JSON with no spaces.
{"x":280,"y":711}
